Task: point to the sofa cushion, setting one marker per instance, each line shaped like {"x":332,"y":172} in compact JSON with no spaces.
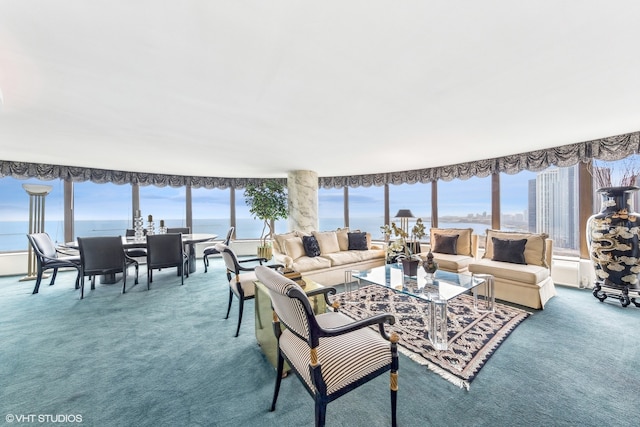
{"x":294,"y":248}
{"x":535,"y":249}
{"x":509,"y":250}
{"x":522,"y":273}
{"x":449,"y":262}
{"x":344,"y":257}
{"x":358,"y":241}
{"x":306,"y":263}
{"x":465,"y":246}
{"x":328,"y":241}
{"x":278,"y":240}
{"x":446,"y":244}
{"x":343,"y":238}
{"x":311,"y":247}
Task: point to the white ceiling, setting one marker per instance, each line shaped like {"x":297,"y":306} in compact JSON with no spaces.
{"x":256,"y":88}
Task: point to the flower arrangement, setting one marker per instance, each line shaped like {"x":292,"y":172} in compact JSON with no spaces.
{"x":400,"y":247}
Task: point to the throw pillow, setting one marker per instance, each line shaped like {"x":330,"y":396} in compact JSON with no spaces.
{"x":358,"y":241}
{"x":294,"y":247}
{"x":446,"y":244}
{"x":328,"y":241}
{"x":343,"y":238}
{"x":509,"y":250}
{"x":311,"y":247}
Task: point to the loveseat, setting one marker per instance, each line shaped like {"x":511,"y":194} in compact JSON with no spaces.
{"x":521,"y":266}
{"x":453,"y":248}
{"x":325,"y":256}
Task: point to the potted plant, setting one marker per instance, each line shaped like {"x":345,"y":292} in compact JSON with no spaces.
{"x":267,"y":201}
{"x":400,"y":250}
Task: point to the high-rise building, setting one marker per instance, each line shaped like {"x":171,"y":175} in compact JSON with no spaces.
{"x":532,"y":206}
{"x":556,"y":206}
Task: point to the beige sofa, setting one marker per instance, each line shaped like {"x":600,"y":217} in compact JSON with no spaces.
{"x":522,"y":271}
{"x":458,"y":248}
{"x":328,"y":267}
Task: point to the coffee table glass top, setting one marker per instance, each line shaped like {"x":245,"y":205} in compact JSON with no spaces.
{"x":445,"y":285}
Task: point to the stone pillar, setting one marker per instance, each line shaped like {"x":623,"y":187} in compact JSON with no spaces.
{"x":302,"y":189}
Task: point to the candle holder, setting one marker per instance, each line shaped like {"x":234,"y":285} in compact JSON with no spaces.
{"x":150,"y":226}
{"x":162,"y":229}
{"x":138,"y":229}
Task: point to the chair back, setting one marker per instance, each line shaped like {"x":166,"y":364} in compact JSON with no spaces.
{"x":229,"y":258}
{"x":42,"y":245}
{"x":227,"y":239}
{"x":100,"y":255}
{"x":289,"y":302}
{"x":183,"y":230}
{"x":164,"y":250}
{"x":130,"y":232}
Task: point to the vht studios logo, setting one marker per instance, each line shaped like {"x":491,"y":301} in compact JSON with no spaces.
{"x":43,"y":418}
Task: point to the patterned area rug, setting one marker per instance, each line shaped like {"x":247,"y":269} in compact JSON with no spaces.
{"x":473,"y":336}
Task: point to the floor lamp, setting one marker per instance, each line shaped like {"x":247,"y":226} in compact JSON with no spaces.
{"x":37,"y":193}
{"x":404,"y":215}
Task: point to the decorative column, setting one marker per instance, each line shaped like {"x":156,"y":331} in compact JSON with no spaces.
{"x":302,"y":189}
{"x":37,"y":193}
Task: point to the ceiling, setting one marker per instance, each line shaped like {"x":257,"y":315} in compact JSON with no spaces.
{"x":258,"y":88}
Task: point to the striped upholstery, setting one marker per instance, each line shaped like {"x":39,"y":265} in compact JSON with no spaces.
{"x":335,"y":354}
{"x":348,"y":353}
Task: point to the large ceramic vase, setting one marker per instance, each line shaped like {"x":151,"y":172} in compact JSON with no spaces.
{"x":612,"y":235}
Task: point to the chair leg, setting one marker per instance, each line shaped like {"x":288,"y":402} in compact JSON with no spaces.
{"x":78,"y":280}
{"x":279,"y":371}
{"x":53,"y":278}
{"x":240,"y":315}
{"x":205,"y":259}
{"x":82,"y":287}
{"x":148,"y":278}
{"x":38,"y":280}
{"x":230,"y":301}
{"x":321,"y":411}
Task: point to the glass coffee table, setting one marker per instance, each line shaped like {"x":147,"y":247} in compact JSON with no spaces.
{"x":444,"y":287}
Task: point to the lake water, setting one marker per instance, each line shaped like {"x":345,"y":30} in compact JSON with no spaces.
{"x":13,"y":233}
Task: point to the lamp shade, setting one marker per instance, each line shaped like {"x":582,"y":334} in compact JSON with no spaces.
{"x":404,"y":213}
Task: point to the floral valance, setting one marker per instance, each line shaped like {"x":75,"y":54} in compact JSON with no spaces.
{"x":611,"y":148}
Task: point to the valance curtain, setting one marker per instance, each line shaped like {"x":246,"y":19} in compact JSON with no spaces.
{"x":611,"y":148}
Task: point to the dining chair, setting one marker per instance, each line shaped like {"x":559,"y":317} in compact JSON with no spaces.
{"x":211,"y":250}
{"x":241,"y":279}
{"x":103,"y":255}
{"x":331,"y":353}
{"x":48,"y":257}
{"x":183,"y":230}
{"x":166,"y":250}
{"x":135,"y":252}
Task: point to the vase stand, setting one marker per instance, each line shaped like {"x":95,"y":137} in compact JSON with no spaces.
{"x":603,"y":291}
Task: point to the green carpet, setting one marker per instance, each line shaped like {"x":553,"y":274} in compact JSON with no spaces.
{"x":166,"y":357}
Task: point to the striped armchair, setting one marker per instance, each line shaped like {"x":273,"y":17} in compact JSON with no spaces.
{"x":331,"y":353}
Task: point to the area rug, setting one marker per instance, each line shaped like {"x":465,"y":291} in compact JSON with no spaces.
{"x":472,"y":336}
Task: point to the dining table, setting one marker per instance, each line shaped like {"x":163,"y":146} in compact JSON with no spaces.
{"x":129,"y":242}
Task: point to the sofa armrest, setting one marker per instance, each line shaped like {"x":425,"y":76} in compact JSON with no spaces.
{"x":548,"y":252}
{"x":283,"y":259}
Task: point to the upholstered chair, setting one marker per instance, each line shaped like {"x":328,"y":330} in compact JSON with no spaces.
{"x":241,"y":279}
{"x":166,"y":250}
{"x":49,"y":258}
{"x":211,"y":250}
{"x":103,"y":255}
{"x":330,"y":353}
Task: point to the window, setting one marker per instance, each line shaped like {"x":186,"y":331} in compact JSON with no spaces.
{"x":331,"y":208}
{"x":465,"y":204}
{"x":14,"y":213}
{"x":416,"y":198}
{"x":366,"y":210}
{"x":163,"y":203}
{"x":210,"y":209}
{"x":101,"y":209}
{"x":518,"y":201}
